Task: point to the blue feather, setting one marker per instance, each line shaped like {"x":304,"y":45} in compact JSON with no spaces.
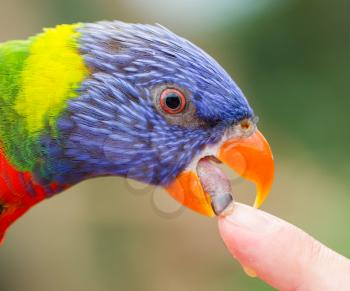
{"x":114,"y":127}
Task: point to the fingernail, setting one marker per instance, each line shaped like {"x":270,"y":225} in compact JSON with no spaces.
{"x":249,"y":272}
{"x":251,"y":219}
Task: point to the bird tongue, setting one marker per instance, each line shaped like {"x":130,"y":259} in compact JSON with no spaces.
{"x":216,"y":185}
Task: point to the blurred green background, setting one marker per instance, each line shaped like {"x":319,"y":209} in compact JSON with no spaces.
{"x":292,"y":59}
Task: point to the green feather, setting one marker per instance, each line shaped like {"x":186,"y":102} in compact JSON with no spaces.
{"x":14,"y":138}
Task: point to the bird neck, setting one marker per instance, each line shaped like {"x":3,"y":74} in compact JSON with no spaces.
{"x":37,"y":78}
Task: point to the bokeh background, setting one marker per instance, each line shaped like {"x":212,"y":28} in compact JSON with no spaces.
{"x":292,"y":60}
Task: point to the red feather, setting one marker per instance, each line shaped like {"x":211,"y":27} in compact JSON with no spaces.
{"x":18,"y":193}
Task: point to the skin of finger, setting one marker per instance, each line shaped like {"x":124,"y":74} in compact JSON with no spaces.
{"x":284,"y":256}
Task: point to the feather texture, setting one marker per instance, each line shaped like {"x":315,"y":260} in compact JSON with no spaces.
{"x":81,"y":101}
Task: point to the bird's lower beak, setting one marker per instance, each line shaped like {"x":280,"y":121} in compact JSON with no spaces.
{"x":208,"y":192}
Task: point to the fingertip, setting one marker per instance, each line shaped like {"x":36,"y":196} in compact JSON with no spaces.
{"x":280,"y":253}
{"x":244,"y":233}
{"x":259,"y":241}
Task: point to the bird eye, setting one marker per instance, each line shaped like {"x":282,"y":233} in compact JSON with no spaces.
{"x":172,"y":101}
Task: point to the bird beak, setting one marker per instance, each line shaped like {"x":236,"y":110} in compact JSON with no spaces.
{"x":250,"y":157}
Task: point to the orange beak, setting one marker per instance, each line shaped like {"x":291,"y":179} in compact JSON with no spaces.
{"x":250,"y":157}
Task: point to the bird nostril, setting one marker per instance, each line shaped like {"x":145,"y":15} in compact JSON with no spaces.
{"x":245,"y":124}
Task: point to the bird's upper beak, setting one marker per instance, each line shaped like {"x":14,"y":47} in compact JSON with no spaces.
{"x":206,"y":191}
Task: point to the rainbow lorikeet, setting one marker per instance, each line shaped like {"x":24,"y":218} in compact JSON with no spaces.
{"x":110,"y":98}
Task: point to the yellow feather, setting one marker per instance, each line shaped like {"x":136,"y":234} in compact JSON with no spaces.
{"x":52,"y":72}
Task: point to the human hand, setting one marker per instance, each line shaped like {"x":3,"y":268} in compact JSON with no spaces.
{"x":281,"y":254}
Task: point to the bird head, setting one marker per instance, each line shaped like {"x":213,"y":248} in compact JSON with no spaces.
{"x":158,"y":109}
